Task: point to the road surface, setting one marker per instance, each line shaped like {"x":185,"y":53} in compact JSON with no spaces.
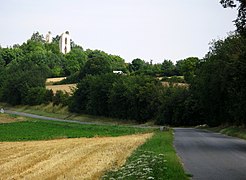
{"x":45,"y":117}
{"x":71,"y":121}
{"x":211,"y":156}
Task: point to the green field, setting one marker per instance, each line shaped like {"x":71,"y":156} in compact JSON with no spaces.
{"x":44,"y":130}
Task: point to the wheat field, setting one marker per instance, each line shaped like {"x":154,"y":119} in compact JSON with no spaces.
{"x":65,"y":87}
{"x":53,"y":80}
{"x":79,"y":158}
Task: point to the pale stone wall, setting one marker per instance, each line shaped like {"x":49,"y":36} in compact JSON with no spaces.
{"x":64,"y":43}
{"x":49,"y":37}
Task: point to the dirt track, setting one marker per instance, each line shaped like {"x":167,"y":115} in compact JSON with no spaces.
{"x":81,"y":158}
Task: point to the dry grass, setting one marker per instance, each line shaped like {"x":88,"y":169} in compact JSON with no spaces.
{"x":65,"y":87}
{"x":167,"y":84}
{"x":5,"y":118}
{"x":53,"y":80}
{"x":79,"y":158}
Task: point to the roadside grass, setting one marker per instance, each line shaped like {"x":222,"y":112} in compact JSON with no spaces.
{"x":230,"y":131}
{"x":155,"y":159}
{"x":62,"y":112}
{"x":10,"y":118}
{"x":46,"y":130}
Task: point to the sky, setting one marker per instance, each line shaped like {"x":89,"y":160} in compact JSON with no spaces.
{"x":147,"y":29}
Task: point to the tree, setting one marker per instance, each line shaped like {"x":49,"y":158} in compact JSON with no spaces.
{"x":53,"y":47}
{"x":36,"y":36}
{"x":19,"y":78}
{"x":10,"y":54}
{"x":219,"y":84}
{"x":126,"y":97}
{"x":2,"y":63}
{"x":75,"y":60}
{"x":37,"y":95}
{"x":136,"y":65}
{"x":168,"y":68}
{"x":118,"y":63}
{"x":61,"y":98}
{"x":187,"y":68}
{"x":240,"y":22}
{"x":97,"y":64}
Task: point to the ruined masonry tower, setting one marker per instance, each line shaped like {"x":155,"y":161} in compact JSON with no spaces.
{"x":64,"y":43}
{"x":49,"y":37}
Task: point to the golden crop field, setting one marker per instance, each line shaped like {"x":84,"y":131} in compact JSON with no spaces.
{"x":53,"y":80}
{"x":167,"y":84}
{"x":80,"y":158}
{"x":65,"y":87}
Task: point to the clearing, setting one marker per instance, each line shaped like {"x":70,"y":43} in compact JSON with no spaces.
{"x":79,"y":158}
{"x":64,"y":87}
{"x":54,"y":80}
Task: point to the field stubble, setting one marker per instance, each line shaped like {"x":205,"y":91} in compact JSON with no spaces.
{"x":79,"y":158}
{"x":65,"y":88}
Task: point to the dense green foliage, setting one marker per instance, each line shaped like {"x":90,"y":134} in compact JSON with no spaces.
{"x":240,"y":22}
{"x":24,"y":68}
{"x":215,"y":94}
{"x":42,"y":130}
{"x":155,"y":159}
{"x":220,"y":86}
{"x":125,"y":97}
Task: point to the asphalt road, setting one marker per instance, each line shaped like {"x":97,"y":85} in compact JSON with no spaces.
{"x":45,"y":118}
{"x":70,"y":121}
{"x":211,"y":156}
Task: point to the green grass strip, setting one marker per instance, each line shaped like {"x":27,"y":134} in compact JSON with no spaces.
{"x":156,"y":159}
{"x":231,"y":131}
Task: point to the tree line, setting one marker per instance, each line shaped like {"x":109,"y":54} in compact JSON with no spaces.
{"x":24,"y":68}
{"x":216,"y":93}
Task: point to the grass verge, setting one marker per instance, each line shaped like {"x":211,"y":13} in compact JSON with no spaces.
{"x":156,"y":159}
{"x":45,"y":130}
{"x":230,"y":131}
{"x":62,"y":112}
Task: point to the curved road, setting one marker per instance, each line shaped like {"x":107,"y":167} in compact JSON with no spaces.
{"x":211,"y":156}
{"x":46,"y":118}
{"x":72,"y":121}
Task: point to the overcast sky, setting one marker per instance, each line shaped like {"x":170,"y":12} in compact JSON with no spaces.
{"x":146,"y":29}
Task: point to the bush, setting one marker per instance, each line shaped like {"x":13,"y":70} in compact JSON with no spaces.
{"x":37,"y":95}
{"x":61,"y":97}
